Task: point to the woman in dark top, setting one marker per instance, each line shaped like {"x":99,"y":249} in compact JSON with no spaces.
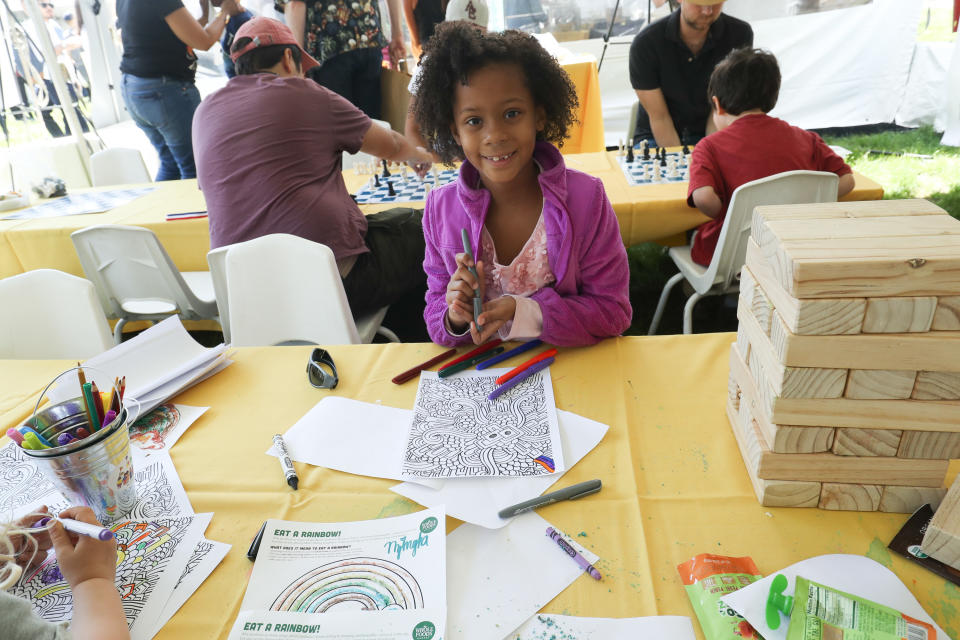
{"x":422,"y":17}
{"x":158,"y":66}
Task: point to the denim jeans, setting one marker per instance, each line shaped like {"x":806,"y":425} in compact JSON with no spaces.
{"x":163,"y":108}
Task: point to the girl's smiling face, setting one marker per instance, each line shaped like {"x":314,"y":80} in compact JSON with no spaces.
{"x":495,"y":122}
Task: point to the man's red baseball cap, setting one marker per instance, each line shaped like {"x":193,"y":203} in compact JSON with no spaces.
{"x":266,"y":32}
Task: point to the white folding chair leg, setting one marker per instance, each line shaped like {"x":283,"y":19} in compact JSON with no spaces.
{"x":662,"y":303}
{"x":118,"y":331}
{"x":688,"y":312}
{"x":388,"y":334}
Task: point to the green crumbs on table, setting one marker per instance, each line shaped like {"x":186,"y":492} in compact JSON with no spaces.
{"x":878,"y":551}
{"x":397,"y":507}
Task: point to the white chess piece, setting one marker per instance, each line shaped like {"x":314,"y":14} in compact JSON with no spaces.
{"x":656,"y":171}
{"x":436,"y":177}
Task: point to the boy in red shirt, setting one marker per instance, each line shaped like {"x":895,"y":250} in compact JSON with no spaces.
{"x":748,"y":144}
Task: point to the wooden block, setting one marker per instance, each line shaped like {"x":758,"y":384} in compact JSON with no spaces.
{"x":931,"y":351}
{"x":756,"y":300}
{"x":882,"y":228}
{"x":770,"y":493}
{"x":933,"y":445}
{"x":942,"y":539}
{"x":866,"y":267}
{"x":908,"y":415}
{"x":788,"y":382}
{"x":743,"y":342}
{"x":850,"y":497}
{"x":899,"y":315}
{"x":866,"y":442}
{"x":833,"y":210}
{"x":826,"y":467}
{"x":947,"y":315}
{"x":817,"y":316}
{"x":880,"y":384}
{"x":733,"y":393}
{"x":909,"y":499}
{"x":937,"y":385}
{"x":778,"y":438}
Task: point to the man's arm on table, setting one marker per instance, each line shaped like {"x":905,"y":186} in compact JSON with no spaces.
{"x":661,"y":124}
{"x":390,"y":145}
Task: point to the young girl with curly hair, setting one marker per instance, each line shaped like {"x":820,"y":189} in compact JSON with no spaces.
{"x":87,"y":564}
{"x":550,"y":260}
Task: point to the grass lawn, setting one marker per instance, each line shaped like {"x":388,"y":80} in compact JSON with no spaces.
{"x":936,"y":178}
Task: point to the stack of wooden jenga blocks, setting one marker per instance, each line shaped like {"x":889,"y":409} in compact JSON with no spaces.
{"x":845,"y":376}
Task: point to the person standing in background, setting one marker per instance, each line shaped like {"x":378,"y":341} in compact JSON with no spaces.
{"x":422,"y":17}
{"x":237,"y":16}
{"x":159,"y":67}
{"x":346,"y":37}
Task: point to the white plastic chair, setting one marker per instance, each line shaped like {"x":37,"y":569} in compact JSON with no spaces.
{"x":136,"y":279}
{"x":284,"y":289}
{"x":118,"y":165}
{"x":49,"y":314}
{"x":723,"y":274}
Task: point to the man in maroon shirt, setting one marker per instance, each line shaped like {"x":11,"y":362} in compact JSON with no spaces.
{"x":268,"y":151}
{"x":748,"y":144}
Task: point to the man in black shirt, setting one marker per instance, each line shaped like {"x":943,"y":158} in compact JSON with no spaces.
{"x":670,"y":66}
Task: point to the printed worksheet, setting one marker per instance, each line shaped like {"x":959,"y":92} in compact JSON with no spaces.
{"x":356,"y":568}
{"x":458,"y":432}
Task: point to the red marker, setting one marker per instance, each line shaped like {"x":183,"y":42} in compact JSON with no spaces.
{"x":412,"y":373}
{"x":481,"y":349}
{"x":549,"y":353}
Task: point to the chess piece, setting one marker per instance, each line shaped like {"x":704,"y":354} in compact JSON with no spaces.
{"x":403,"y":173}
{"x":376,"y":179}
{"x":390,"y":190}
{"x":436,"y":178}
{"x":656,"y":172}
{"x":630,"y":157}
{"x":686,"y":150}
{"x":646,"y":150}
{"x":386,"y":169}
{"x":663,"y":158}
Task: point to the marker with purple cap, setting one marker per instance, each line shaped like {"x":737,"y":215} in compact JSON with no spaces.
{"x":81,"y":528}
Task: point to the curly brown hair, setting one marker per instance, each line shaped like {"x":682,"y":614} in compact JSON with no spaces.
{"x":456,"y":50}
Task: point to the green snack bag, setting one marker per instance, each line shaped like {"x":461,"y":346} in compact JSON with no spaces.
{"x":823,"y":613}
{"x":707,"y":578}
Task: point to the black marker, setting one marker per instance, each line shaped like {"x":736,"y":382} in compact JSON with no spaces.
{"x":285,"y":463}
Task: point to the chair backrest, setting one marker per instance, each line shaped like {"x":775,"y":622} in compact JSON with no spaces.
{"x":118,"y":165}
{"x":217,"y":260}
{"x":128,"y":264}
{"x":790,"y":187}
{"x":50,"y":314}
{"x":283,"y":288}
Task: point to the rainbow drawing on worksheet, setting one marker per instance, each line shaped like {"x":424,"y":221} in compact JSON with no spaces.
{"x":352,"y":584}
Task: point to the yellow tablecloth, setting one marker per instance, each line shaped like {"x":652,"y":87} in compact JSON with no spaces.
{"x":586,"y":135}
{"x":673,"y":481}
{"x":647,"y":212}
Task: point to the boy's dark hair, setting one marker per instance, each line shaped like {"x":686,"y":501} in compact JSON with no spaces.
{"x":256,"y":60}
{"x":746,"y":79}
{"x":456,"y":50}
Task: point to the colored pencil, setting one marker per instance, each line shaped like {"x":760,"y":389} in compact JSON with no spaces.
{"x":486,"y":346}
{"x":526,"y":346}
{"x":549,"y":353}
{"x":409,"y":374}
{"x":523,"y":375}
{"x":97,"y":402}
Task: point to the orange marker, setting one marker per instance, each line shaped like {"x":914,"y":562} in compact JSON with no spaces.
{"x":549,"y":353}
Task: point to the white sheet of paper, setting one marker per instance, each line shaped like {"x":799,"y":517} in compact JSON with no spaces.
{"x":497,"y":579}
{"x":160,"y":429}
{"x":160,"y":493}
{"x":548,"y":625}
{"x":478,"y":500}
{"x":381,"y":625}
{"x":351,"y":436}
{"x":457,"y":432}
{"x":857,"y":575}
{"x":161,"y":354}
{"x":23,"y":487}
{"x":396,"y":563}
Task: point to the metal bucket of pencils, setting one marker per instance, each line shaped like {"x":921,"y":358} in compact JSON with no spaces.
{"x":87,"y":451}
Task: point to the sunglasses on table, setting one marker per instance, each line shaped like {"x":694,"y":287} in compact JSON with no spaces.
{"x":46,"y":5}
{"x":321,"y":372}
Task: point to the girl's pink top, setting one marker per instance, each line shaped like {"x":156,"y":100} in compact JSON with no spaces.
{"x":528,"y":273}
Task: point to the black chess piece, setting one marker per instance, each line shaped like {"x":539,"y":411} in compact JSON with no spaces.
{"x":386,"y":170}
{"x":630,"y":153}
{"x":646,"y":150}
{"x":686,"y":150}
{"x":663,"y":158}
{"x":376,"y":180}
{"x":390,"y":190}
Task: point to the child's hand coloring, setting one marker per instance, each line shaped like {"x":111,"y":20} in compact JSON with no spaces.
{"x":460,"y":292}
{"x":495,"y":314}
{"x":82,"y":558}
{"x":30,"y":555}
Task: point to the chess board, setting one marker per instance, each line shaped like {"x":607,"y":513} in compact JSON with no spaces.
{"x":641,"y":171}
{"x":411,"y":190}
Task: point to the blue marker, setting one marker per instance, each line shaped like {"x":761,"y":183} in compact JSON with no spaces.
{"x":526,"y":346}
{"x":25,"y":430}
